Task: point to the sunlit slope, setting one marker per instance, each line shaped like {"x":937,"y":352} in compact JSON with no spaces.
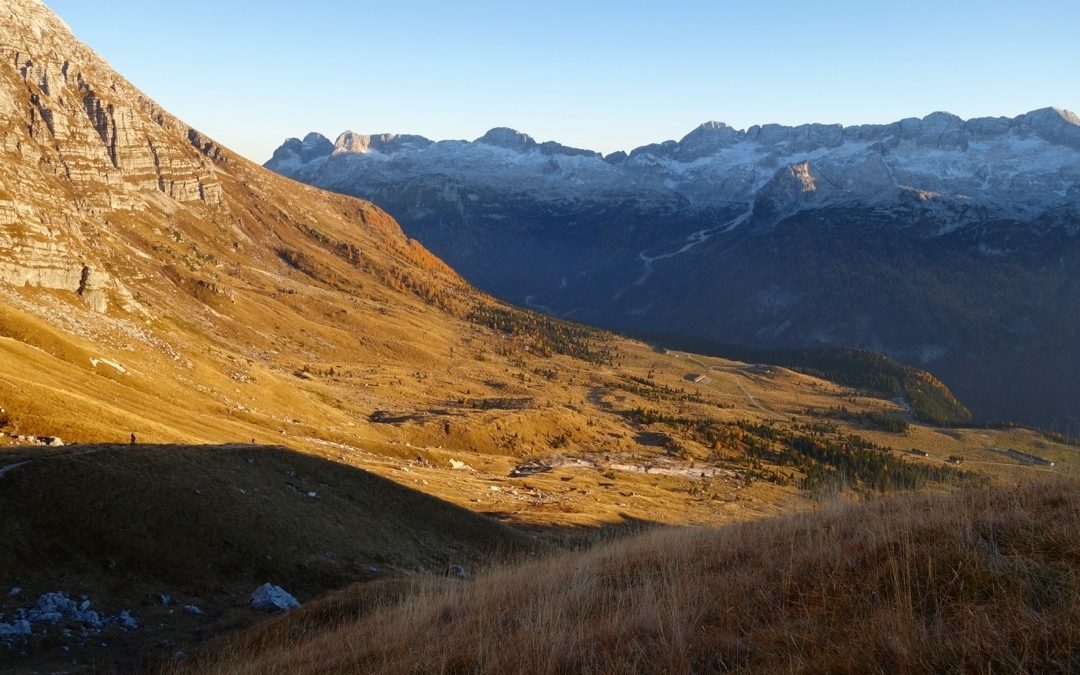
{"x":154,"y":283}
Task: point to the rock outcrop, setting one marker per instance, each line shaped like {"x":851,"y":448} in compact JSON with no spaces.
{"x":105,"y":151}
{"x":59,"y":608}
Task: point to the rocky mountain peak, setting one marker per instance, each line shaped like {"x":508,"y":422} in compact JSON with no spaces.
{"x":1017,"y":167}
{"x":1067,"y":115}
{"x":354,"y":143}
{"x":510,"y":139}
{"x":941,"y":130}
{"x":314,"y":139}
{"x":791,"y":189}
{"x":351,"y":141}
{"x":1055,"y":125}
{"x":707,"y":139}
{"x":314,"y":145}
{"x":31,"y":13}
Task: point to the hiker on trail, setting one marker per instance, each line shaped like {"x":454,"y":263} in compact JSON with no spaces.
{"x":133,"y":438}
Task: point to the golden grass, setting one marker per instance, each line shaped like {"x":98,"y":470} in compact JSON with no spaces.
{"x":985,"y":580}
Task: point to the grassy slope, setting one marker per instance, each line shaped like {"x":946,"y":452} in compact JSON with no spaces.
{"x":207,"y":525}
{"x":929,"y":399}
{"x":213,"y":514}
{"x":978,"y":581}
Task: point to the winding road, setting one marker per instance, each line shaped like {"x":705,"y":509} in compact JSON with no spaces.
{"x":734,"y":376}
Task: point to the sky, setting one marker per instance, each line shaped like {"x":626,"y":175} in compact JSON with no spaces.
{"x":599,"y":74}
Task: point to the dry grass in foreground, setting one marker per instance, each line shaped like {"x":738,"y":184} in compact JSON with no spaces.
{"x":986,"y":580}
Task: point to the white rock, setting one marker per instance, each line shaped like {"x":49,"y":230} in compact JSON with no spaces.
{"x":20,"y":628}
{"x":459,"y":571}
{"x":56,"y":603}
{"x":271,"y":598}
{"x":125,"y":619}
{"x":45,"y":617}
{"x":90,"y":619}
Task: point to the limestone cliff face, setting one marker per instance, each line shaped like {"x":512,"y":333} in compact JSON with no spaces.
{"x":106,"y":200}
{"x":79,"y":145}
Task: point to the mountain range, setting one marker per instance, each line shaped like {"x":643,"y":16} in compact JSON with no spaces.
{"x":950,"y":245}
{"x":219,"y":387}
{"x":157,"y":288}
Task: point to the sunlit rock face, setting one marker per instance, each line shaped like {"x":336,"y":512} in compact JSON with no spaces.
{"x":81,"y":148}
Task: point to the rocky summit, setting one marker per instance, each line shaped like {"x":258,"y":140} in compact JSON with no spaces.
{"x":1022,"y":167}
{"x":768,"y":238}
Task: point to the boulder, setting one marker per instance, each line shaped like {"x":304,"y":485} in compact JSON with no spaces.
{"x":47,"y":617}
{"x":127,"y":621}
{"x":53,"y":607}
{"x":20,"y":628}
{"x":271,"y":598}
{"x":459,"y":571}
{"x":90,"y":619}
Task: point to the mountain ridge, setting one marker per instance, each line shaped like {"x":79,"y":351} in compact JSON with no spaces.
{"x":635,"y":240}
{"x":1018,"y":167}
{"x":712,"y":129}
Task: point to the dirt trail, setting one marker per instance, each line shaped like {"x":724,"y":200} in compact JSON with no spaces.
{"x":4,"y":470}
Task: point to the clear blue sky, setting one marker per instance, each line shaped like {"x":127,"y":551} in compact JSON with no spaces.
{"x":602,"y":74}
